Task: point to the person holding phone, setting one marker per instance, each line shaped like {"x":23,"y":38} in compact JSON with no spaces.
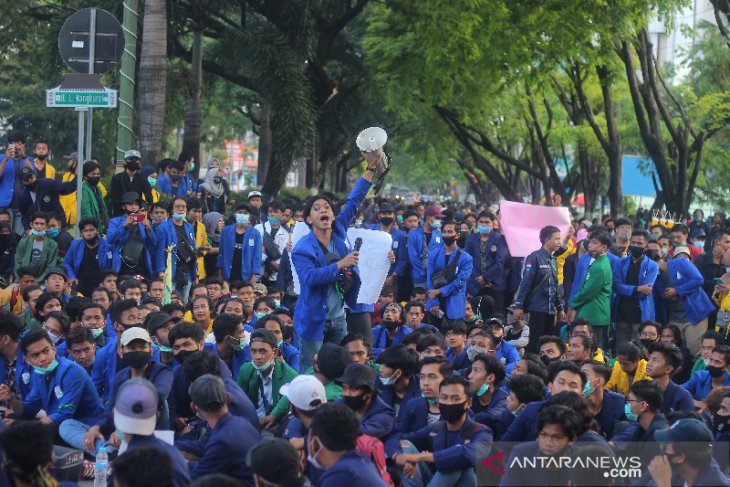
{"x":132,"y":239}
{"x":11,"y":185}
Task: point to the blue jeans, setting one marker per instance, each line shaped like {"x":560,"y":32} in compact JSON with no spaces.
{"x":334,"y":331}
{"x":73,"y":432}
{"x":425,"y":477}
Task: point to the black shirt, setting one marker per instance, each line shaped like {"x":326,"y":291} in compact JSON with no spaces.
{"x":135,"y":266}
{"x":237,"y":259}
{"x":89,"y":273}
{"x":121,"y":183}
{"x":628,"y":309}
{"x":185,"y":260}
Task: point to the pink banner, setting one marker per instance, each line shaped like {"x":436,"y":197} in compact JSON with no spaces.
{"x":521,"y":224}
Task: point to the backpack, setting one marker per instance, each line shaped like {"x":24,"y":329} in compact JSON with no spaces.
{"x":373,"y":449}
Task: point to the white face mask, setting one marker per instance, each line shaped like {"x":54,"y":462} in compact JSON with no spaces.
{"x":312,"y":457}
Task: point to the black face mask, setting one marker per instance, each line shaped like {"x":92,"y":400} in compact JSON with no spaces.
{"x":497,"y":341}
{"x":452,"y":412}
{"x":653,"y":255}
{"x":715,"y":372}
{"x":5,"y":241}
{"x":137,"y":360}
{"x":560,"y":251}
{"x":93,"y":241}
{"x":182,"y":355}
{"x":386,"y":220}
{"x":174,"y":177}
{"x":647,"y":342}
{"x":93,"y":180}
{"x":461,"y":242}
{"x":132,"y":166}
{"x":287,"y":332}
{"x":41,"y":157}
{"x":636,"y":251}
{"x":721,"y":423}
{"x":33,"y":186}
{"x":217,"y":180}
{"x":449,"y":241}
{"x":391,"y":325}
{"x":355,"y":402}
{"x":547,"y":360}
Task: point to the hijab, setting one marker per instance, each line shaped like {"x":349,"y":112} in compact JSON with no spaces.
{"x":210,"y":220}
{"x":216,"y":190}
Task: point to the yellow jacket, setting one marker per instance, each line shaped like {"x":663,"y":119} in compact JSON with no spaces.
{"x":560,"y":260}
{"x":722,"y":300}
{"x":619,"y":381}
{"x":5,"y":297}
{"x":50,"y":170}
{"x":68,"y":201}
{"x":201,"y":239}
{"x":599,"y":356}
{"x":155,"y":196}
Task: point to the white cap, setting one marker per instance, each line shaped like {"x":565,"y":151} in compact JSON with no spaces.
{"x":305,"y":392}
{"x":682,"y":250}
{"x":132,"y":153}
{"x":254,"y":194}
{"x":135,"y":333}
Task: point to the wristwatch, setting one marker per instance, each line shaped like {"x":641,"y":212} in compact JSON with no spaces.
{"x":372,"y":169}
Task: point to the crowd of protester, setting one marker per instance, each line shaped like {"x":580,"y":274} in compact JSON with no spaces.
{"x":174,"y":310}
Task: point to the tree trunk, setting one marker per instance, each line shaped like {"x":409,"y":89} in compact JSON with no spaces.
{"x":152,"y":80}
{"x":265,"y":143}
{"x":192,"y":134}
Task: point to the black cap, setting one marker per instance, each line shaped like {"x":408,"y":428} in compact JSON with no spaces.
{"x":56,"y":270}
{"x":494,"y":320}
{"x":357,"y":375}
{"x":242,"y":206}
{"x":275,"y":460}
{"x":130,"y":197}
{"x":384,"y":207}
{"x":26,"y":172}
{"x":157,"y":320}
{"x":332,"y":360}
{"x":263,"y":335}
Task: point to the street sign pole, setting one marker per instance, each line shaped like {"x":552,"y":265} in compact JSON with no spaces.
{"x":79,"y":166}
{"x":88,"y":112}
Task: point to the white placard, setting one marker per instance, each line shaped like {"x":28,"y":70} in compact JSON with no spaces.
{"x":300,"y":231}
{"x":374,"y":262}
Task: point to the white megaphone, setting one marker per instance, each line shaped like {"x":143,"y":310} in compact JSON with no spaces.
{"x":371,"y":139}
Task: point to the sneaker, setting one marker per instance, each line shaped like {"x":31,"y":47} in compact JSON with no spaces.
{"x":87,"y":470}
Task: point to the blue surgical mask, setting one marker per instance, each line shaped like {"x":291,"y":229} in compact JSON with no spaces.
{"x":152,"y":181}
{"x":700,"y":244}
{"x":178,"y":216}
{"x":389,"y":381}
{"x":358,"y":223}
{"x":588,"y":389}
{"x":484,"y":229}
{"x":264,"y":366}
{"x":431,"y":400}
{"x":97,"y":332}
{"x":47,"y":370}
{"x":53,"y":232}
{"x":54,"y":338}
{"x":242,"y":218}
{"x":436,"y":224}
{"x":727,"y":270}
{"x":630,"y":415}
{"x":280,"y":343}
{"x":399,"y":218}
{"x":274,"y":220}
{"x":191,"y":166}
{"x":277,"y":302}
{"x":164,"y":348}
{"x":260,"y":314}
{"x":483,"y":390}
{"x":38,"y":233}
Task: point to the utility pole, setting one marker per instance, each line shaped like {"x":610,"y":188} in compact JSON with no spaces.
{"x":125,"y":121}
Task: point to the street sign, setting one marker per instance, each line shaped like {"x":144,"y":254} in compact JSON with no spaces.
{"x":58,"y":97}
{"x":74,"y":41}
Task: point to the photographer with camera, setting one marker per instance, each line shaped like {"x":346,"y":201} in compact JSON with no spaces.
{"x":327,"y":268}
{"x":131,"y":239}
{"x":11,"y":185}
{"x":448,"y":270}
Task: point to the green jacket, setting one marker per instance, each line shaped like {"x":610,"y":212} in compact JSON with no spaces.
{"x":699,"y":365}
{"x":29,"y":322}
{"x":90,"y":207}
{"x":24,"y":250}
{"x":593,"y":300}
{"x":248,"y":379}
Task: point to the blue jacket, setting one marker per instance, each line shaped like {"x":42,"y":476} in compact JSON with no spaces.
{"x":250,"y":253}
{"x":224,"y":451}
{"x":676,"y":398}
{"x":509,"y":356}
{"x":413,"y":415}
{"x":23,"y":372}
{"x":453,"y":451}
{"x":316,"y":276}
{"x":380,"y":336}
{"x":459,"y":361}
{"x":117,"y":236}
{"x":582,"y":269}
{"x":399,"y":248}
{"x":503,"y":423}
{"x":75,"y":254}
{"x":611,"y":412}
{"x":497,"y":255}
{"x":388,"y":396}
{"x":164,"y":185}
{"x":69,"y":394}
{"x":417,"y":253}
{"x":524,"y":427}
{"x":539,"y":293}
{"x":687,"y":281}
{"x":166,"y":236}
{"x":180,"y":473}
{"x":351,"y":470}
{"x":700,"y":384}
{"x":9,"y":182}
{"x":490,"y":414}
{"x":648,"y":273}
{"x":290,"y":354}
{"x":46,"y":199}
{"x":454,"y":292}
{"x":239,"y":358}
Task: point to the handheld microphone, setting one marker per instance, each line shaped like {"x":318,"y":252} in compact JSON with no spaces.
{"x":358,"y":244}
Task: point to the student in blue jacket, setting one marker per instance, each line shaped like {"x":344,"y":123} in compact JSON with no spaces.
{"x":452,"y":445}
{"x":87,"y":257}
{"x":664,"y":360}
{"x":230,"y":342}
{"x":10,"y":351}
{"x":716,"y":376}
{"x":422,"y":242}
{"x":488,"y":398}
{"x":239,"y":257}
{"x":397,"y":381}
{"x":451,"y":297}
{"x":132,"y":243}
{"x":455,"y":332}
{"x":488,"y":248}
{"x":421,"y":411}
{"x":319,"y":258}
{"x":59,"y":386}
{"x":386,"y":223}
{"x":686,"y":284}
{"x":392,"y":329}
{"x":179,"y":232}
{"x":607,"y":406}
{"x":503,"y":350}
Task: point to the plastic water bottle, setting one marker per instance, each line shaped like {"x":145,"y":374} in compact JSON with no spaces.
{"x":101,"y":467}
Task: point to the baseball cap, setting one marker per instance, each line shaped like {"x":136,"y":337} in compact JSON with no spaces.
{"x":135,"y":333}
{"x":131,"y":154}
{"x":385,"y":207}
{"x":208,"y":392}
{"x":157,"y":320}
{"x":357,"y":375}
{"x":696,"y":233}
{"x":305,"y":392}
{"x":25,"y":172}
{"x":276,"y":461}
{"x":130,"y":197}
{"x":259,"y":288}
{"x":685,"y":430}
{"x":242,"y":206}
{"x":254,"y":194}
{"x":135,"y":409}
{"x":55,"y":270}
{"x":263,"y":335}
{"x":494,"y":320}
{"x":70,"y":156}
{"x":682,"y":250}
{"x":433,"y":210}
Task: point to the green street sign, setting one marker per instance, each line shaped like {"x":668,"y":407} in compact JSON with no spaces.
{"x":58,"y":97}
